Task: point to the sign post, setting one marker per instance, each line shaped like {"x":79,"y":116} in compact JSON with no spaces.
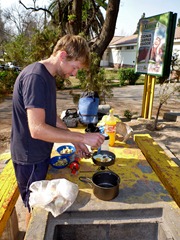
{"x":148,"y":96}
{"x":155,"y":44}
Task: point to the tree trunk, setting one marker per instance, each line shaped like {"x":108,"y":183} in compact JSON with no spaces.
{"x":75,"y":26}
{"x":157,"y":115}
{"x":108,"y":29}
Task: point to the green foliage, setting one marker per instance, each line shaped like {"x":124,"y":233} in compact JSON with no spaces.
{"x":23,"y":51}
{"x":128,"y":114}
{"x":123,"y":75}
{"x":18,"y":50}
{"x":8,"y":78}
{"x":43,"y":43}
{"x":178,"y":22}
{"x":64,"y":15}
{"x":62,"y":83}
{"x":129,"y":75}
{"x":111,"y":74}
{"x":95,"y":79}
{"x":71,"y":17}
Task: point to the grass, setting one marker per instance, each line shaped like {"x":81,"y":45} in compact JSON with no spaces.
{"x":111,"y":75}
{"x":140,"y":81}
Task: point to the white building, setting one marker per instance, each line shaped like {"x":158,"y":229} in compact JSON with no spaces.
{"x":176,"y":46}
{"x":121,"y":51}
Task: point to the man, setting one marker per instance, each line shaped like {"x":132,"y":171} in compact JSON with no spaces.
{"x":35,"y":125}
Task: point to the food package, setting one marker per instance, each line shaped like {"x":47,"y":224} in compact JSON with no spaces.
{"x":55,"y":196}
{"x":124,"y":130}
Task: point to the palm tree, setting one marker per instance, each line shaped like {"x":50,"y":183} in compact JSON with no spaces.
{"x":77,"y":16}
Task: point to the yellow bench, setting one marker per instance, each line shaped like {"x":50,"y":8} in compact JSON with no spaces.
{"x":164,"y":167}
{"x":8,"y":197}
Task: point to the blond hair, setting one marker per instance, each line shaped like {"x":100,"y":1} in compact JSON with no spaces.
{"x":76,"y":48}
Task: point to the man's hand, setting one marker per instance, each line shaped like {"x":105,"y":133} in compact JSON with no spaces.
{"x":82,"y":150}
{"x":94,"y":140}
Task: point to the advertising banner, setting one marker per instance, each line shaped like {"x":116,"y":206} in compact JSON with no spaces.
{"x":155,"y":43}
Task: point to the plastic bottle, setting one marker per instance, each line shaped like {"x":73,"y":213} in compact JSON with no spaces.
{"x":105,"y":145}
{"x":110,"y":127}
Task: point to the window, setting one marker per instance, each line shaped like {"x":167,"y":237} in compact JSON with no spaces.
{"x":118,"y":48}
{"x":130,"y":47}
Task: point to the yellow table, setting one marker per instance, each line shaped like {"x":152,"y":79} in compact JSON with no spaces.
{"x":135,"y":173}
{"x":140,"y":191}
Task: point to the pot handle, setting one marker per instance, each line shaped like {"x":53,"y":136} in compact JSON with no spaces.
{"x":86,"y":180}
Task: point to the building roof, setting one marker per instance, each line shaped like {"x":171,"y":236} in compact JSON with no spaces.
{"x":115,"y":39}
{"x":124,"y":40}
{"x":133,"y":39}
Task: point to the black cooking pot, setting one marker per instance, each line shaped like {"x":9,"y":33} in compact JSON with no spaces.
{"x":105,"y":184}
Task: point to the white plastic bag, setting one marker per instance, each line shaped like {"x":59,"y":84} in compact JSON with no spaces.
{"x":54,"y":196}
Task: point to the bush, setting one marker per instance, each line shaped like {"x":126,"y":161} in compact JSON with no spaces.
{"x":95,"y":79}
{"x":128,"y":114}
{"x":122,"y":76}
{"x":8,"y":78}
{"x":127,"y":74}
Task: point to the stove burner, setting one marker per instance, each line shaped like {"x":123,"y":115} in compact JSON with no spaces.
{"x":102,"y":168}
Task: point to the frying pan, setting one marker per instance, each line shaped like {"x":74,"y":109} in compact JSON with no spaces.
{"x":104,"y":163}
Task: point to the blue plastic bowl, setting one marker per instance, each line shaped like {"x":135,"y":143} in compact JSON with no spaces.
{"x":59,"y":162}
{"x":73,"y":150}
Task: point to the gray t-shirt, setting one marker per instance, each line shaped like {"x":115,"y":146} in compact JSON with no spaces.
{"x":35,"y":87}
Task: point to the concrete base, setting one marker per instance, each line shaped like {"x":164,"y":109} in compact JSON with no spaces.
{"x":123,"y":224}
{"x":11,"y":231}
{"x":103,"y":220}
{"x":172,"y":116}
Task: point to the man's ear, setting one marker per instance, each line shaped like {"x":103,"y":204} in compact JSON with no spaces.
{"x":63,"y":55}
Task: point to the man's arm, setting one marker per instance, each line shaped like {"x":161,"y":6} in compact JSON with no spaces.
{"x":42,"y":131}
{"x":60,"y":123}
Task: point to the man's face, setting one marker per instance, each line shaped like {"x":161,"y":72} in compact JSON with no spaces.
{"x":69,"y":68}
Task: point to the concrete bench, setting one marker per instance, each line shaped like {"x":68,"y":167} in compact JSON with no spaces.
{"x":8,"y":197}
{"x":164,"y":167}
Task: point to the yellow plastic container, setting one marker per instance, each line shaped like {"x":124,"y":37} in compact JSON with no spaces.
{"x":110,"y":127}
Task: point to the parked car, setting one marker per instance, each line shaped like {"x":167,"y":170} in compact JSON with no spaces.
{"x":2,"y":66}
{"x":11,"y":66}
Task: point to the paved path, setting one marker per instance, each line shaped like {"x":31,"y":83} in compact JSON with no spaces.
{"x":130,"y":98}
{"x":124,"y":98}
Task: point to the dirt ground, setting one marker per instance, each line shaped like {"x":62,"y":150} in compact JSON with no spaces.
{"x":125,"y":98}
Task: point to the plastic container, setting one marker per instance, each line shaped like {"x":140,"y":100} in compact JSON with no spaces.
{"x":110,"y":127}
{"x":62,"y":150}
{"x":59,"y":162}
{"x":105,"y":145}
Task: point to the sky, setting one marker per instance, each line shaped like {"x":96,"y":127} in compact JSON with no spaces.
{"x":129,"y":13}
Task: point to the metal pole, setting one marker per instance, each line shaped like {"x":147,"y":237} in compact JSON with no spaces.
{"x":144,"y":97}
{"x":151,"y":96}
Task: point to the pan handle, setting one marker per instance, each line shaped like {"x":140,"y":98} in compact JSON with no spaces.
{"x":86,"y":180}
